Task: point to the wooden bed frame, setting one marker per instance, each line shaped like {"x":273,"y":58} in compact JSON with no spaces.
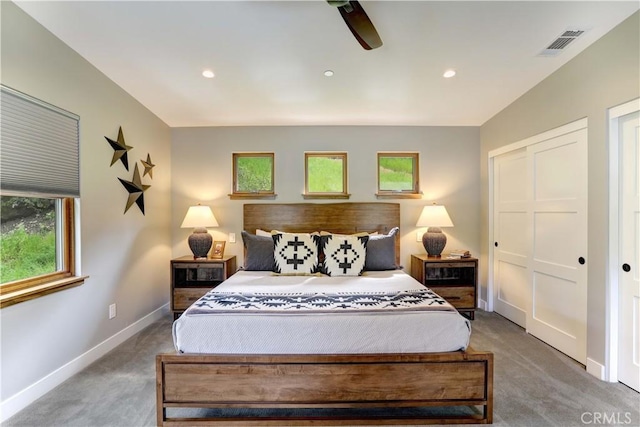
{"x":443,"y":380}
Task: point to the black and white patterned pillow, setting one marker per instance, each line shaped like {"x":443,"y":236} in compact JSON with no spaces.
{"x":295,"y":253}
{"x":344,"y":255}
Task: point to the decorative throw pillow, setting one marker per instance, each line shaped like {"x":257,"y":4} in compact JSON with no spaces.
{"x":258,"y":255}
{"x":295,"y":253}
{"x":344,"y":255}
{"x":324,"y":236}
{"x":381,"y":252}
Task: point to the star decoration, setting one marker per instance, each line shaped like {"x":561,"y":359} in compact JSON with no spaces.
{"x":120,"y":149}
{"x":136,"y":190}
{"x":148,"y":167}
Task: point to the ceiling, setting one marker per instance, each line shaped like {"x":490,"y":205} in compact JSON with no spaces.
{"x":269,"y":57}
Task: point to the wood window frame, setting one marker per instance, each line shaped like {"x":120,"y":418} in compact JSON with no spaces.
{"x":34,"y":287}
{"x":238,"y":195}
{"x":415,"y":192}
{"x":344,"y":194}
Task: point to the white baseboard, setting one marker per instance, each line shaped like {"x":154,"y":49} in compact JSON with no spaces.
{"x":596,"y":369}
{"x":14,"y":404}
{"x":482,"y":304}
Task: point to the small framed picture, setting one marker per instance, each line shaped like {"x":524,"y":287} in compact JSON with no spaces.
{"x":218,"y":250}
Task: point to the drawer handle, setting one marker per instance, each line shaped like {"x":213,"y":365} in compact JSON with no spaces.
{"x":452,"y":298}
{"x":192,"y":299}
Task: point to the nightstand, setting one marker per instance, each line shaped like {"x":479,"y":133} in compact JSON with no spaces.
{"x":455,"y":280}
{"x":192,"y":278}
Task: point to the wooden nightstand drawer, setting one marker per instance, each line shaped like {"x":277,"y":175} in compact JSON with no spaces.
{"x":198,"y":274}
{"x":458,"y":296}
{"x":190,"y":279}
{"x":455,"y":280}
{"x":184,"y":297}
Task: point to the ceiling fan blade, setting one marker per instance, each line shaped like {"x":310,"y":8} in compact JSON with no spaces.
{"x":360,"y":25}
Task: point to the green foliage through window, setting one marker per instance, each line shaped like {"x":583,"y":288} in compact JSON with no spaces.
{"x":253,"y":174}
{"x":325,"y":174}
{"x":397,"y":172}
{"x":28,"y":244}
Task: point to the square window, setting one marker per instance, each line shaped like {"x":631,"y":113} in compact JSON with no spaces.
{"x":325,"y":175}
{"x":253,"y":175}
{"x":398,"y":174}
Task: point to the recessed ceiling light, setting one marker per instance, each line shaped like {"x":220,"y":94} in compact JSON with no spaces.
{"x":208,"y":74}
{"x":449,"y":73}
{"x":328,"y":73}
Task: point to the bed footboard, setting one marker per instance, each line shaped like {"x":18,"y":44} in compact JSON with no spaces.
{"x":326,"y":381}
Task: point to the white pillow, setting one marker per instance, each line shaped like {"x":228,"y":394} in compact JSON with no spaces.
{"x":295,"y":253}
{"x":344,"y":255}
{"x":263,"y":233}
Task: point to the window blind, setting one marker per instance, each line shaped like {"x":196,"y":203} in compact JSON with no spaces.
{"x":39,"y":147}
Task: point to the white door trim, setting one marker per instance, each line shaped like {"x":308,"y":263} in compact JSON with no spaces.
{"x":552,"y":133}
{"x":612,"y":292}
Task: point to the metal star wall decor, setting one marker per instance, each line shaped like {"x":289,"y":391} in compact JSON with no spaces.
{"x":136,"y":190}
{"x":120,"y":149}
{"x":148,"y":167}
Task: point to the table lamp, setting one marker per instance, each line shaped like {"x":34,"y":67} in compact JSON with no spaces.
{"x":434,"y":216}
{"x":199,"y":218}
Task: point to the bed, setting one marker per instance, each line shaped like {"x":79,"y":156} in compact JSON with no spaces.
{"x":341,"y":380}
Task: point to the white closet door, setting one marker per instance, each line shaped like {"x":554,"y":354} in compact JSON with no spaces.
{"x":629,"y":294}
{"x":558,"y":214}
{"x":511,"y":236}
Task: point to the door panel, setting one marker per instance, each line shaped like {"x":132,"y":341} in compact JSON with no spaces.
{"x":558,"y":213}
{"x":552,"y":296}
{"x":511,"y":290}
{"x":629,"y":293}
{"x":554,"y":176}
{"x":511,"y":301}
{"x":553,"y":235}
{"x":513,"y":224}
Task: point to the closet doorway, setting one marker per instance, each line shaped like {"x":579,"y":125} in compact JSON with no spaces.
{"x":539,"y":214}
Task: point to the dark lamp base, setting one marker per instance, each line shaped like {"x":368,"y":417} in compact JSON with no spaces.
{"x":434,"y":241}
{"x":200,"y":242}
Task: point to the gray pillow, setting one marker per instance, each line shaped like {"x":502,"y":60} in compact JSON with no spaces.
{"x":258,"y":254}
{"x":381,"y":252}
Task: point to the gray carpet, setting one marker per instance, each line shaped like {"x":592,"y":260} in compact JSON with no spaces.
{"x":534,"y":385}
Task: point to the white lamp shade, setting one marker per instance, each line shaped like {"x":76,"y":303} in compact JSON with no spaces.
{"x":199,"y":216}
{"x":434,"y":216}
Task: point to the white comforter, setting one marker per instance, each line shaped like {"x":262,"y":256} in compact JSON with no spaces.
{"x":321,"y":332}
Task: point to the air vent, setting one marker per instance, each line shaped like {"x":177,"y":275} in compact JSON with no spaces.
{"x":562,"y":41}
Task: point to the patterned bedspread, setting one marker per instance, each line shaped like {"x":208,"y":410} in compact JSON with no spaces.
{"x":348,"y":302}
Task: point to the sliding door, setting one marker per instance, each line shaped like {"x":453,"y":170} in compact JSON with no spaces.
{"x":540,"y":237}
{"x":511,"y":237}
{"x":558,"y":215}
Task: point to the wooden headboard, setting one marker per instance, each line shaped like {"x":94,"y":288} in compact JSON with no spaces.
{"x":339,"y":218}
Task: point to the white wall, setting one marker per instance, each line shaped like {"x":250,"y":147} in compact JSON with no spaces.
{"x":604,"y":75}
{"x":126,"y":256}
{"x":449,"y":170}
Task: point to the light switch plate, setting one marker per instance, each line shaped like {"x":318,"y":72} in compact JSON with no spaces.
{"x":232,"y":237}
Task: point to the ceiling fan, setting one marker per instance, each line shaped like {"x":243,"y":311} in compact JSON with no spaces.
{"x":358,"y":22}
